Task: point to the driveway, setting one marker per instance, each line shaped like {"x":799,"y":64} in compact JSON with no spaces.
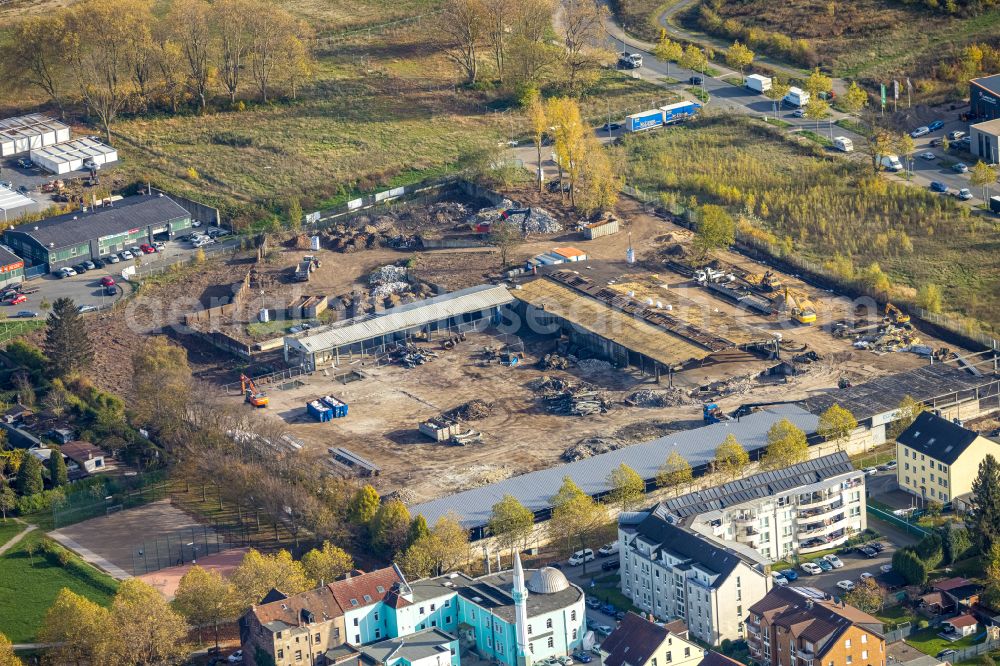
{"x":854,"y":565}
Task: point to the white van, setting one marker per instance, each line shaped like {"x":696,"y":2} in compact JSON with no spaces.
{"x":843,"y":144}
{"x":891,"y":163}
{"x":581,"y":556}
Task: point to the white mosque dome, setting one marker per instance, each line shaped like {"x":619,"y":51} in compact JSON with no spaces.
{"x":547,"y":580}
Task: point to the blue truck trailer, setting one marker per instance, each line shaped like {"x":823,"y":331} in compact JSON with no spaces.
{"x":673,"y":113}
{"x":644,"y":120}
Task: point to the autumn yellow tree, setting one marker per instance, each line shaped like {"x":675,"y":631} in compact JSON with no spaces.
{"x":739,"y":57}
{"x":258,"y":573}
{"x":730,"y":457}
{"x":568,"y":130}
{"x":786,"y":446}
{"x":206,"y":599}
{"x":539,"y":124}
{"x":7,"y":656}
{"x":599,"y":182}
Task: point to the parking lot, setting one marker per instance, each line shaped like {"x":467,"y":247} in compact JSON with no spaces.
{"x":32,"y":179}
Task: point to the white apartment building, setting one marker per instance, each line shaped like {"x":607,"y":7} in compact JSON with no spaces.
{"x":672,"y":572}
{"x":811,"y":506}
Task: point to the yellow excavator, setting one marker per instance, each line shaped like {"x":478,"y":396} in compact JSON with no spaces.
{"x":799,"y":307}
{"x":894,"y":315}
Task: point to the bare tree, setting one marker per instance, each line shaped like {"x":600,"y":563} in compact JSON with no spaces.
{"x":35,"y":54}
{"x":230,"y":21}
{"x":583,"y":26}
{"x":189,"y":20}
{"x":462,"y":29}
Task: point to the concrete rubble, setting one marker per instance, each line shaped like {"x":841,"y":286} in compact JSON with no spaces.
{"x":669,"y":397}
{"x":471,"y":411}
{"x":591,"y":446}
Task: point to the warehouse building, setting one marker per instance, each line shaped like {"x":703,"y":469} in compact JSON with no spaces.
{"x":12,"y":204}
{"x":25,"y":133}
{"x":984,"y":97}
{"x":985,"y":141}
{"x":475,"y":308}
{"x":11,"y":267}
{"x":74,"y":155}
{"x":89,"y":234}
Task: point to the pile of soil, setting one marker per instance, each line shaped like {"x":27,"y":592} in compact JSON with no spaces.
{"x":669,"y":397}
{"x":471,"y":411}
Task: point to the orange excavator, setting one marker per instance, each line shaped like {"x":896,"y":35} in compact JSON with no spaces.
{"x":254,"y":395}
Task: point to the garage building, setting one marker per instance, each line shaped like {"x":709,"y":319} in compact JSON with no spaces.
{"x":984,"y":97}
{"x":11,"y":268}
{"x":68,"y":239}
{"x":12,"y":204}
{"x":985,"y":141}
{"x":70,"y":156}
{"x":26,"y":133}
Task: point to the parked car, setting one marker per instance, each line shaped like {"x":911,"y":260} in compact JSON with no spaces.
{"x":946,"y":654}
{"x":611,"y":565}
{"x":581,"y":556}
{"x":90,"y":265}
{"x":159,"y":246}
{"x":928,"y":155}
{"x":136,"y":251}
{"x":964,"y":194}
{"x":811,"y":568}
{"x":25,"y":314}
{"x":582,"y":657}
{"x":236,"y":657}
{"x":86,"y":308}
{"x":565,"y":660}
{"x":834,"y":561}
{"x":610,"y":127}
{"x":799,"y":113}
{"x":920,"y":131}
{"x":778,"y":579}
{"x":80,"y":268}
{"x":935,"y":142}
{"x":603,"y":630}
{"x":196,"y":223}
{"x":125,"y":254}
{"x":956,"y":135}
{"x":960,"y":167}
{"x":107,"y":281}
{"x":789,"y":574}
{"x":891,"y":464}
{"x":865,"y":576}
{"x":872,"y":471}
{"x":17,"y":300}
{"x":845,"y":585}
{"x":824,"y":565}
{"x":877,"y":546}
{"x":936,"y":125}
{"x":23,"y":189}
{"x":609,"y":609}
{"x":65,"y":272}
{"x":608,"y":549}
{"x":885,"y":568}
{"x":593,"y":602}
{"x":695,"y":80}
{"x":25,"y":163}
{"x":868,"y":552}
{"x":99,"y":263}
{"x":113,"y":259}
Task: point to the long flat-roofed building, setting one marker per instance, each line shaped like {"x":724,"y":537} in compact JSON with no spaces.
{"x":25,"y":133}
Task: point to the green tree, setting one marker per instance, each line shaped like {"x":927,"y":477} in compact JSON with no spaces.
{"x":818,"y":83}
{"x":983,"y":175}
{"x":676,"y":473}
{"x":992,"y":570}
{"x":739,"y":57}
{"x":67,"y":341}
{"x":295,"y":215}
{"x":730,"y":457}
{"x":7,"y":656}
{"x":627,"y":487}
{"x":29,"y":477}
{"x":929,"y":297}
{"x":364,"y":505}
{"x":258,"y":574}
{"x":866,"y":596}
{"x":418,"y":529}
{"x":956,"y":542}
{"x":57,"y":469}
{"x":985,"y":522}
{"x":786,"y":446}
{"x":907,"y":564}
{"x":206,"y":599}
{"x":854,"y":99}
{"x":8,"y":500}
{"x":836,"y":425}
{"x":510,"y":523}
{"x":390,"y":527}
{"x":715,"y":229}
{"x":327,"y":563}
{"x":907,"y":412}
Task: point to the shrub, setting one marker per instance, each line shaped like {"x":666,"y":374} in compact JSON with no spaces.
{"x":930,"y":551}
{"x":956,"y":543}
{"x":908,"y":564}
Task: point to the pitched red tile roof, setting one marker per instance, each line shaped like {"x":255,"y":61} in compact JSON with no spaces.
{"x":633,"y":642}
{"x":81,"y":451}
{"x":962,"y":621}
{"x":375,"y":585}
{"x":713,"y":658}
{"x":320,"y":602}
{"x":949,"y":583}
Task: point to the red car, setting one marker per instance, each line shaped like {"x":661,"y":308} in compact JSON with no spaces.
{"x":107,"y":281}
{"x":17,"y":300}
{"x":147,"y":249}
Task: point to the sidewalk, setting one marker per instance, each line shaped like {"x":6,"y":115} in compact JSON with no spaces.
{"x":16,"y":538}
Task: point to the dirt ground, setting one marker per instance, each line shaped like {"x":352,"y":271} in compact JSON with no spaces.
{"x":167,"y":580}
{"x":119,"y":537}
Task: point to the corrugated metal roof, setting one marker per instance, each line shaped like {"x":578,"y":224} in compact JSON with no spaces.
{"x":9,"y":199}
{"x":535,"y":489}
{"x":400,"y":318}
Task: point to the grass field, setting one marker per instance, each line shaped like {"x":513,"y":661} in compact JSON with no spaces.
{"x":817,"y":206}
{"x":928,"y":641}
{"x":869,"y":39}
{"x":27,"y":590}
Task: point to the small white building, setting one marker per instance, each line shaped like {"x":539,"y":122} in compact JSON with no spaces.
{"x":73,"y":155}
{"x":86,"y":455}
{"x":25,"y":133}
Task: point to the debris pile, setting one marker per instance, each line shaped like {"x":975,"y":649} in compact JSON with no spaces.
{"x":555,"y":362}
{"x":578,"y":401}
{"x":471,"y":411}
{"x":733,"y":386}
{"x":550,"y":385}
{"x":591,"y":446}
{"x":528,"y":220}
{"x":669,"y":397}
{"x":888,"y":339}
{"x":409,"y":355}
{"x":589,"y":365}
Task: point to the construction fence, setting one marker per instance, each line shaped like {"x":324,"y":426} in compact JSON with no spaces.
{"x":896,"y":521}
{"x":183,"y":547}
{"x":102,"y":499}
{"x":758,"y":248}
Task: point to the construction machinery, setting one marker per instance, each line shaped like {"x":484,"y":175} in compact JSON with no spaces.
{"x":712,"y":413}
{"x":800,"y":309}
{"x":253,"y":395}
{"x":766,"y":282}
{"x":894,"y":315}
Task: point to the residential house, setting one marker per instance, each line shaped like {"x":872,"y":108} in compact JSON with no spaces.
{"x":289,"y":629}
{"x":939,"y":459}
{"x":672,"y":572}
{"x":793,"y":627}
{"x":86,"y":455}
{"x":959,"y":626}
{"x":936,"y":603}
{"x":713,"y":658}
{"x":430,"y":647}
{"x":962,"y":593}
{"x":804,"y":508}
{"x":637,"y":641}
{"x":16,"y":415}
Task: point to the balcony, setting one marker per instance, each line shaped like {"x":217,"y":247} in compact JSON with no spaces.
{"x":749,"y":536}
{"x":819,"y":512}
{"x":818,"y":499}
{"x":753,"y":629}
{"x":813,"y":545}
{"x":745,"y":520}
{"x":828,"y":526}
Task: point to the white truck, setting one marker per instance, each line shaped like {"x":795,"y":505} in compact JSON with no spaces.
{"x":891,"y":163}
{"x":757,"y":83}
{"x":796,"y":97}
{"x":843,"y":144}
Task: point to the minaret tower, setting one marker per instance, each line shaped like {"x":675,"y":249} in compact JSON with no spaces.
{"x":520,"y":594}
